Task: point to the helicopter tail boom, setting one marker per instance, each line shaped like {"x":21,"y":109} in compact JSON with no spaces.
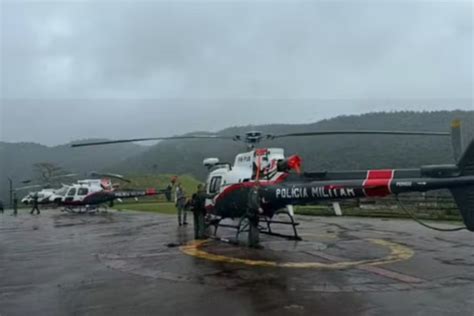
{"x":459,"y":179}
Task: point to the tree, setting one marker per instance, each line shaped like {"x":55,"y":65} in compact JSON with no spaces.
{"x":47,"y":172}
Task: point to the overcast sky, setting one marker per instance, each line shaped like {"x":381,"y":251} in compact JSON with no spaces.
{"x":115,"y":69}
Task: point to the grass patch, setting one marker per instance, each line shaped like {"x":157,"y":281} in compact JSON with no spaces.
{"x":156,"y":207}
{"x":161,"y":182}
{"x":436,"y":215}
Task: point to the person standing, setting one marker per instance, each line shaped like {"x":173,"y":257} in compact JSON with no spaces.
{"x":180,"y":201}
{"x":35,"y":204}
{"x":1,"y":206}
{"x":198,"y":203}
{"x":169,"y":192}
{"x":15,"y":204}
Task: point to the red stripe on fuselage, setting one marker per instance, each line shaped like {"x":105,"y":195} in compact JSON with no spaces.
{"x":378,"y":182}
{"x":151,"y":191}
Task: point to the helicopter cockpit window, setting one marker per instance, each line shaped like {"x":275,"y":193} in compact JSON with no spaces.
{"x":82,"y":191}
{"x":62,"y":192}
{"x":72,"y":192}
{"x":215,"y":185}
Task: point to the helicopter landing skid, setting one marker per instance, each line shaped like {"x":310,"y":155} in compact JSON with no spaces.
{"x":264,"y":227}
{"x":267,"y":229}
{"x":85,"y":210}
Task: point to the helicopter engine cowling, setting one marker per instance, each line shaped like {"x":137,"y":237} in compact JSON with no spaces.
{"x":290,"y":163}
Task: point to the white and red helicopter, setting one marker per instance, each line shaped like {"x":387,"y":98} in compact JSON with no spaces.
{"x":261,"y":183}
{"x":47,"y":194}
{"x":89,"y":195}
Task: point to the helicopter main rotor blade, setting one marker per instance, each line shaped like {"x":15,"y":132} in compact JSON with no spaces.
{"x":28,"y":181}
{"x":120,"y":141}
{"x":358,"y":132}
{"x":29,"y":187}
{"x":68,"y":175}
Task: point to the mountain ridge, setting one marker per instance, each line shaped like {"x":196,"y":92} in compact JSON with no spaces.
{"x":185,"y":156}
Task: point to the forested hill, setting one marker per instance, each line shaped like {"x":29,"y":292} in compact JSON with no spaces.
{"x":322,"y":152}
{"x":17,"y":160}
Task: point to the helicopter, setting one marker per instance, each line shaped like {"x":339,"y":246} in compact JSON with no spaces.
{"x":88,"y":195}
{"x":263,"y":181}
{"x":47,"y":193}
{"x":43,"y":196}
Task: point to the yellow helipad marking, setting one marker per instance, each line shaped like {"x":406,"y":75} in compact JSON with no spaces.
{"x":397,"y":253}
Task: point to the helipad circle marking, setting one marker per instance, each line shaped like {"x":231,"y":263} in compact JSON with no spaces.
{"x":397,"y":253}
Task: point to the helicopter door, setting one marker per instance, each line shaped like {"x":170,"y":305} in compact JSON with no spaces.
{"x":70,"y":195}
{"x":81,"y":193}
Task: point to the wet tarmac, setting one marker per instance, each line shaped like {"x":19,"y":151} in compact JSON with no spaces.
{"x":141,"y":263}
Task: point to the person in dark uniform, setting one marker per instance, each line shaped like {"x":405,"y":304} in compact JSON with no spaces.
{"x":198,"y":206}
{"x":35,"y":204}
{"x":15,"y":204}
{"x":1,"y":206}
{"x":168,"y":192}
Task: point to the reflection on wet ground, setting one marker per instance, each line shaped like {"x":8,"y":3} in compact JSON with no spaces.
{"x":140,"y":263}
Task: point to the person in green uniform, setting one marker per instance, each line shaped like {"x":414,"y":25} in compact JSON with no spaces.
{"x":198,"y":205}
{"x":35,"y":204}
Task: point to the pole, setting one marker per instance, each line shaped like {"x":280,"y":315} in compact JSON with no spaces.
{"x":11,"y":191}
{"x":337,"y":208}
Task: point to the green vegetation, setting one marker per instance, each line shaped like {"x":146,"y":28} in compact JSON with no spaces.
{"x":315,"y":210}
{"x":155,"y":207}
{"x":379,"y":212}
{"x":188,"y":182}
{"x":156,"y":204}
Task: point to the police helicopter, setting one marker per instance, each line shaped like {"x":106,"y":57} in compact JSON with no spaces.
{"x":89,"y":195}
{"x":93,"y":195}
{"x":47,"y":192}
{"x":263,"y":181}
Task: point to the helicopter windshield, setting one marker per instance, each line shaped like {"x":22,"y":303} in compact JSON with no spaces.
{"x":62,"y":191}
{"x":71,"y":192}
